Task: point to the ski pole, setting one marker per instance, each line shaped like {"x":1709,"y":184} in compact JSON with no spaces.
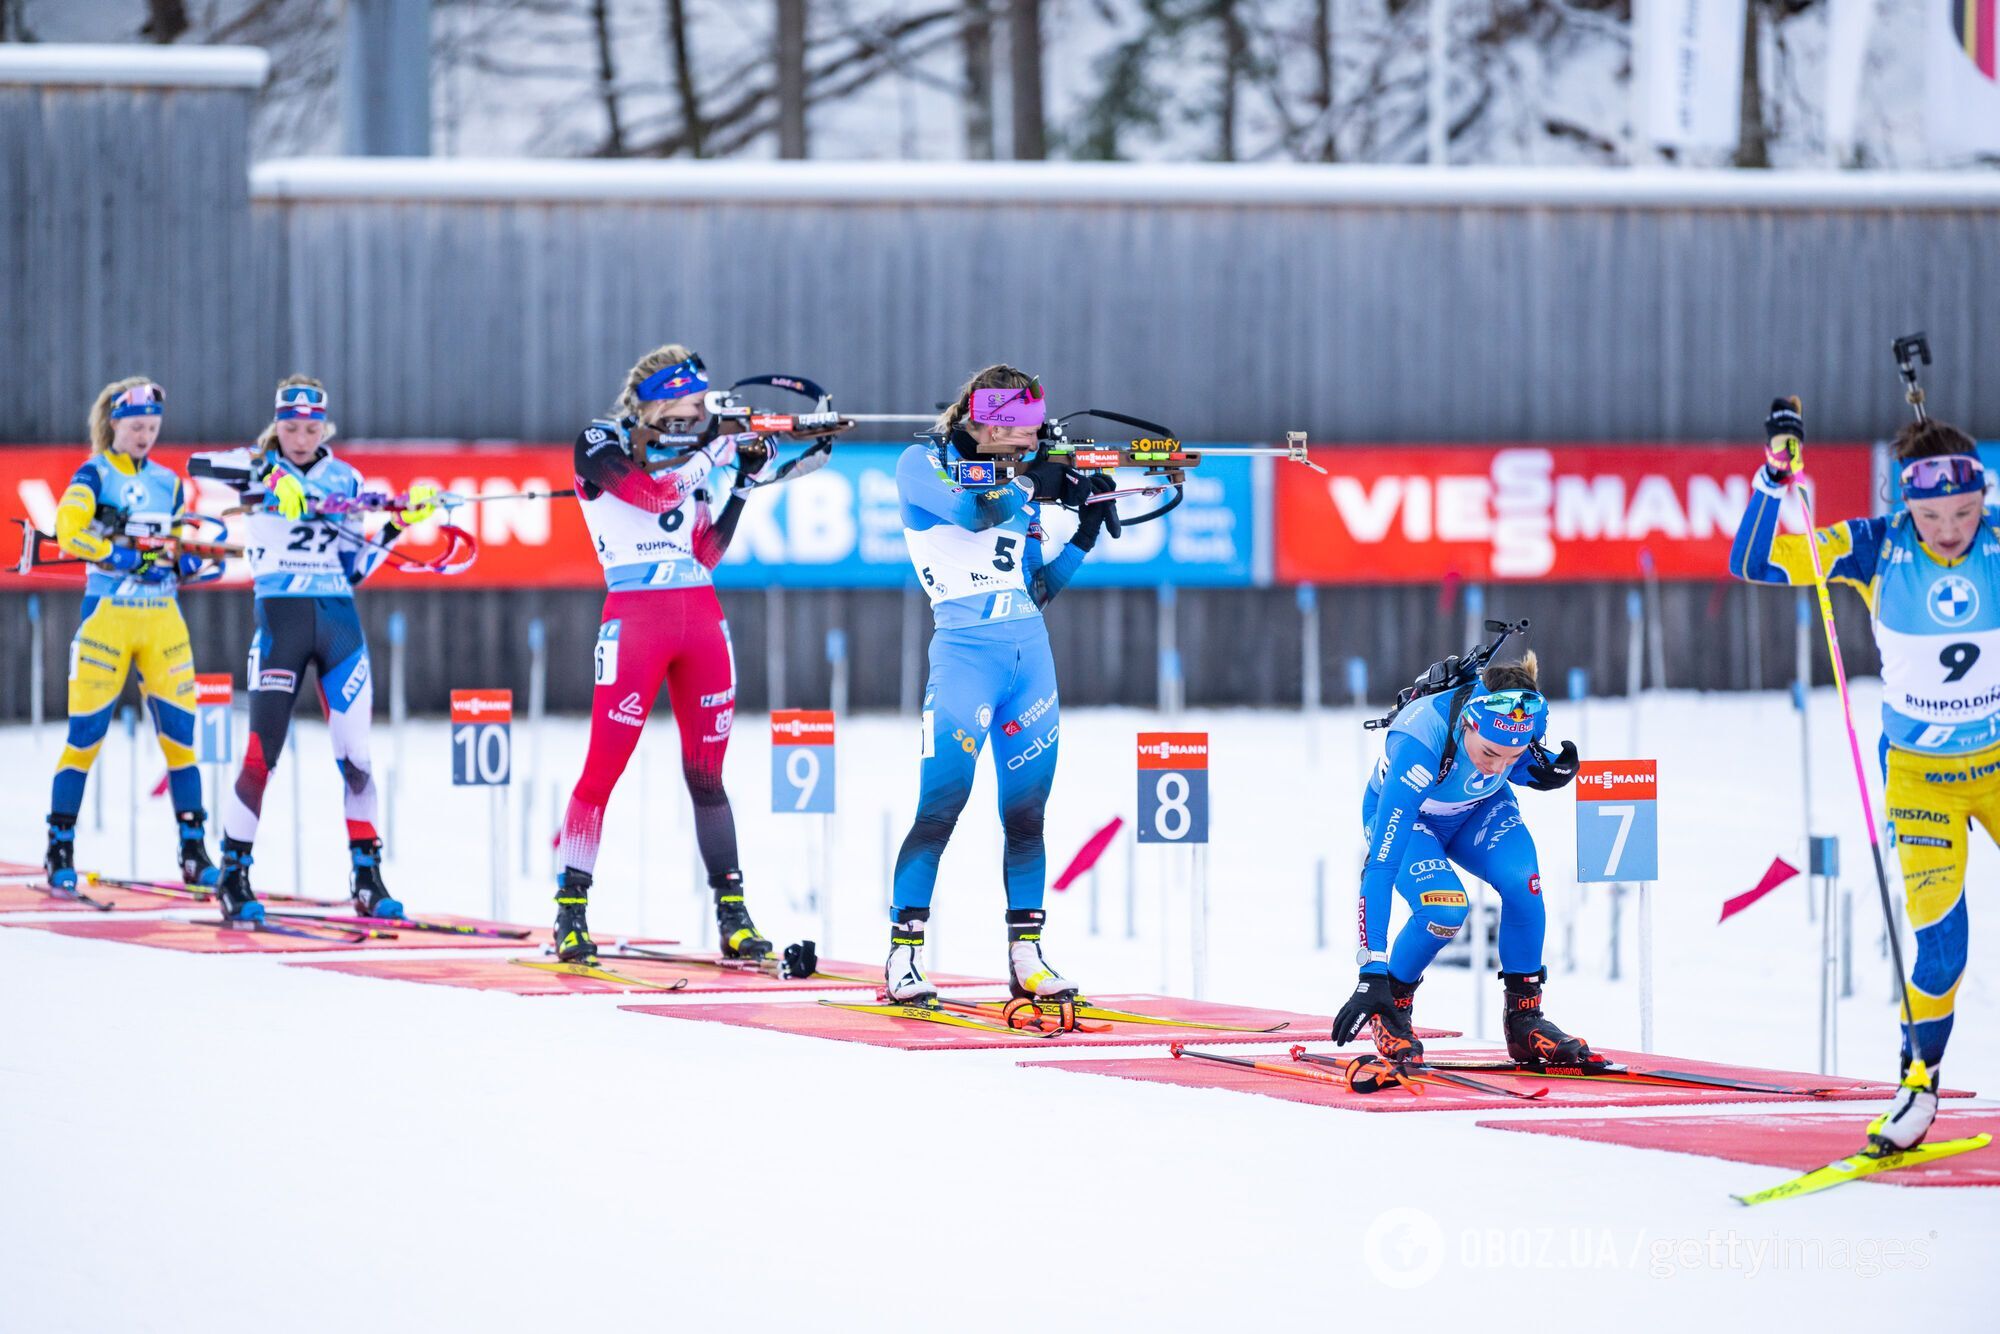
{"x":1266,"y":1067}
{"x":1917,"y":1076}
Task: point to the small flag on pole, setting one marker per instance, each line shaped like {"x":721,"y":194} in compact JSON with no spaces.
{"x":1779,"y":872}
{"x":1086,"y":856}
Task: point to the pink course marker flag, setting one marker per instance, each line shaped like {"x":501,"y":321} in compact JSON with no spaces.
{"x":1780,"y":871}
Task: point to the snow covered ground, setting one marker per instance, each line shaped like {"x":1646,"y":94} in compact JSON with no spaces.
{"x":223,"y":1143}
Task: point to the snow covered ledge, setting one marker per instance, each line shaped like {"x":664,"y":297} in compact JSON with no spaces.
{"x":542,"y":180}
{"x":133,"y":66}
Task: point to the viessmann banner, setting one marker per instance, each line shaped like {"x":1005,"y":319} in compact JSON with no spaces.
{"x":840,"y":527}
{"x":1420,"y":514}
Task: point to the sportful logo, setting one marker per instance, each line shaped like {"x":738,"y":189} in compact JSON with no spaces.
{"x":1417,"y":777}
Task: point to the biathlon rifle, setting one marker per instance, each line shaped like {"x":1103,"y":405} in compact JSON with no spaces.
{"x":141,"y":533}
{"x":1160,"y":454}
{"x":1456,"y":670}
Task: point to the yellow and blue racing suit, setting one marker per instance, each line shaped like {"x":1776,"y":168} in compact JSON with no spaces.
{"x":1937,"y":625}
{"x":131,"y":618}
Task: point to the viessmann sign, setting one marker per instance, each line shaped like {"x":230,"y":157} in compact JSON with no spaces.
{"x":1418,"y":514}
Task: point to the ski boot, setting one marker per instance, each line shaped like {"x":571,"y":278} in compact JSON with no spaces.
{"x":196,"y":868}
{"x":1531,"y":1039}
{"x":1040,"y":992}
{"x":739,"y":935}
{"x":233,"y":894}
{"x":573,"y":942}
{"x":1395,"y":1036}
{"x":371,"y":897}
{"x":59,"y":862}
{"x":905,"y":983}
{"x":1909,"y":1117}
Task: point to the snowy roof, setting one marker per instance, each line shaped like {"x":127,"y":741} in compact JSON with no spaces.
{"x":546,"y":180}
{"x":132,"y":65}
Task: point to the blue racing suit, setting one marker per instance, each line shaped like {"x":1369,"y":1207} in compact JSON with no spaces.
{"x":979,"y":554}
{"x":1419,"y":816}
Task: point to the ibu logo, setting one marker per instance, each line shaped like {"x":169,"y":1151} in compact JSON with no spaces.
{"x":1953,"y":600}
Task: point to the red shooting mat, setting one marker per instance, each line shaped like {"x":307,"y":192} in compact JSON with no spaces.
{"x":490,"y":974}
{"x":1189,"y":1072}
{"x":878,"y":1030}
{"x":19,"y":898}
{"x":190,"y":938}
{"x":1799,"y":1141}
{"x":21,"y":868}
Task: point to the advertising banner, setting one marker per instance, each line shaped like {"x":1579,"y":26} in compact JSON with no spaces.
{"x":840,"y":528}
{"x":1422,"y":514}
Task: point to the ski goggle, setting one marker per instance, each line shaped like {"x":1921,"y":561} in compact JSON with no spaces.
{"x":300,"y":402}
{"x":1509,"y":717}
{"x":675,"y":381}
{"x":141,"y":400}
{"x":1019,"y":406}
{"x":1942,"y":475}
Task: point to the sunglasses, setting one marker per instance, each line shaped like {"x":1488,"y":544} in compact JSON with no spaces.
{"x":1022,"y":406}
{"x":141,"y":400}
{"x":675,"y":381}
{"x":301,"y":402}
{"x":1943,"y":475}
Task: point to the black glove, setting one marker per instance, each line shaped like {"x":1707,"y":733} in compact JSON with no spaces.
{"x":801,"y":960}
{"x":1051,"y":478}
{"x":1370,"y":998}
{"x":1784,"y":441}
{"x":1090,"y":518}
{"x":1548,"y":772}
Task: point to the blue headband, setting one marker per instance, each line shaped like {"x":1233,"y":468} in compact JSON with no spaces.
{"x":1509,"y":717}
{"x":141,"y":400}
{"x":675,"y":381}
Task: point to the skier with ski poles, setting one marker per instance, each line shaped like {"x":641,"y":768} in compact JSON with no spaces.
{"x":972,"y":492}
{"x":131,"y":617}
{"x":1442,"y":793}
{"x":305,"y":564}
{"x":1929,"y":572}
{"x":644,"y":478}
